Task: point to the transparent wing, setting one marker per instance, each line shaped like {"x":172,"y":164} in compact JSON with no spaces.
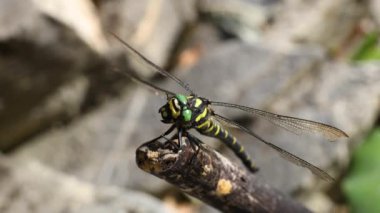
{"x":136,"y":78}
{"x":296,"y":125}
{"x":284,"y":154}
{"x":154,"y":66}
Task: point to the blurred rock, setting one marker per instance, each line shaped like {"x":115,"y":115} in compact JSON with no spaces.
{"x":38,"y":57}
{"x":318,"y":202}
{"x":81,"y":16}
{"x":340,"y":95}
{"x":374,"y":7}
{"x":326,"y":23}
{"x":200,"y":38}
{"x":254,"y":75}
{"x":242,"y":18}
{"x":28,"y":186}
{"x":149,"y":26}
{"x":284,"y":24}
{"x":48,"y":49}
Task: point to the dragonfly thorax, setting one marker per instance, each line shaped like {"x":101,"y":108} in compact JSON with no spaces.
{"x":182,"y":110}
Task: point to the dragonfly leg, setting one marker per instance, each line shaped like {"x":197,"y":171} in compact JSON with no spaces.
{"x":167,"y":132}
{"x":194,"y":139}
{"x":194,"y":142}
{"x":180,"y":142}
{"x":164,"y":134}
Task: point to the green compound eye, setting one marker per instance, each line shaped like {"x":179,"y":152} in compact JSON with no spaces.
{"x":186,"y":114}
{"x":182,"y":99}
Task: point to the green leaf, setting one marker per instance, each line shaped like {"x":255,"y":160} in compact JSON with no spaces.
{"x":369,"y":48}
{"x":362,"y":185}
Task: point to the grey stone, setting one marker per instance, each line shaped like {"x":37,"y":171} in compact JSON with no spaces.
{"x":29,"y":186}
{"x":325,"y":23}
{"x":149,"y":26}
{"x":38,"y":59}
{"x":340,"y":95}
{"x":374,"y":7}
{"x":242,"y":18}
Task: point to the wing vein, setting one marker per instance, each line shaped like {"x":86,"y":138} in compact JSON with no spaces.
{"x":292,"y":124}
{"x":283,"y":153}
{"x":153,"y":65}
{"x":136,"y":78}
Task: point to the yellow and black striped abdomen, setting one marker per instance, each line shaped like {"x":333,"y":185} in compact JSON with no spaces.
{"x":211,"y":128}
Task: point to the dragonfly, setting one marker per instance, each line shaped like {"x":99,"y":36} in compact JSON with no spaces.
{"x":190,"y":111}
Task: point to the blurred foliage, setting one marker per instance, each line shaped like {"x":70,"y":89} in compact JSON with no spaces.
{"x":369,"y":49}
{"x":362,"y":185}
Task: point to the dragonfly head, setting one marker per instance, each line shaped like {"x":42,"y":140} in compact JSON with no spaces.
{"x":177,"y":108}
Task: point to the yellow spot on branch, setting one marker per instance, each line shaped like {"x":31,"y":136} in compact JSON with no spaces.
{"x":224,"y":187}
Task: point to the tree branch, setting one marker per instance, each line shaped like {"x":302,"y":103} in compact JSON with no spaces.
{"x":205,"y":174}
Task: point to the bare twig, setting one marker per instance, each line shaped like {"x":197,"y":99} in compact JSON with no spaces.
{"x":210,"y":177}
